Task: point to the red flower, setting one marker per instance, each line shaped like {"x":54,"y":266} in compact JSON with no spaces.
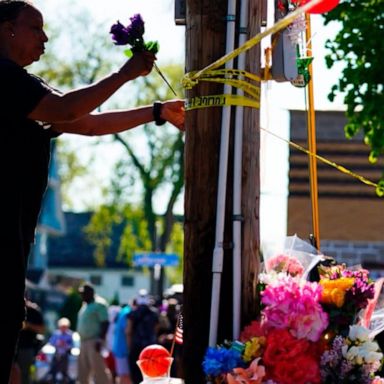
{"x":254,"y":329}
{"x":289,"y":360}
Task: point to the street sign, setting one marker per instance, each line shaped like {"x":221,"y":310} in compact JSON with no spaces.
{"x":150,"y":259}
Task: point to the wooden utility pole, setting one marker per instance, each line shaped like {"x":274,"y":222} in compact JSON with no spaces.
{"x":205,"y":43}
{"x":251,"y":177}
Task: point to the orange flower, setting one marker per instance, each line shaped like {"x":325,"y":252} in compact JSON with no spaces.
{"x":334,"y":290}
{"x":252,"y":375}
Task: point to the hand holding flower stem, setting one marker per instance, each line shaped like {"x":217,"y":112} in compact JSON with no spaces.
{"x":133,"y":36}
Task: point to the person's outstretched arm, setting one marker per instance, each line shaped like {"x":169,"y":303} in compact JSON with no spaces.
{"x":102,"y":123}
{"x":77,"y":103}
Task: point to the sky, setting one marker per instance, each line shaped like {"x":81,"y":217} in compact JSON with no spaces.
{"x":158,"y":16}
{"x":160,"y":25}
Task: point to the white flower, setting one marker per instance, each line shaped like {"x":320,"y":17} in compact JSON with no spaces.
{"x":367,"y":352}
{"x":370,"y":346}
{"x":373,"y":357}
{"x":351,"y":354}
{"x":357,"y":332}
{"x":273,"y":278}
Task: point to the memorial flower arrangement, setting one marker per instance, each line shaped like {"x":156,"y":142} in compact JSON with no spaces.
{"x":308,"y":332}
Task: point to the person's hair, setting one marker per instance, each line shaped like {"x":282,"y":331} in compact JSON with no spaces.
{"x":10,"y":9}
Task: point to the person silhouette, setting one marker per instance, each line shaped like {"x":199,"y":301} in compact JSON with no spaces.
{"x":62,"y":340}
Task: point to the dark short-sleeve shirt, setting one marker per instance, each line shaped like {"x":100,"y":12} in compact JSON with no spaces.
{"x":144,"y":321}
{"x":24,"y":150}
{"x":34,"y":316}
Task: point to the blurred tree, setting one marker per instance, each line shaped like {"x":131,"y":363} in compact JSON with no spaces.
{"x":150,"y":171}
{"x":360,"y":45}
{"x":157,"y":161}
{"x":75,"y":56}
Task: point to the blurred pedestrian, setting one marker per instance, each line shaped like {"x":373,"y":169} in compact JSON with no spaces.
{"x":92,"y":325}
{"x":113,"y":311}
{"x":120,"y":346}
{"x":141,"y":331}
{"x":62,"y":340}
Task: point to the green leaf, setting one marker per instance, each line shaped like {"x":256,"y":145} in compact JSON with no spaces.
{"x":128,"y":52}
{"x":380,"y":188}
{"x":152,"y":46}
{"x":373,"y":156}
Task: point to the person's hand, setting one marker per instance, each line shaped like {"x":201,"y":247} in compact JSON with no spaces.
{"x":174,"y":112}
{"x":140,"y":64}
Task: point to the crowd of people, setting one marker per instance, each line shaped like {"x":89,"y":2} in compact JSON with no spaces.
{"x":111,"y":339}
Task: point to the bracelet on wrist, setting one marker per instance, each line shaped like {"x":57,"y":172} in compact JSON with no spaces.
{"x":156,"y":111}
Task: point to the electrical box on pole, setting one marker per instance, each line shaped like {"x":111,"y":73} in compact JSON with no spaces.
{"x":284,"y":55}
{"x":180,"y":12}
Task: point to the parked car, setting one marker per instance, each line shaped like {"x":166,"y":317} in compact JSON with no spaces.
{"x":44,"y":360}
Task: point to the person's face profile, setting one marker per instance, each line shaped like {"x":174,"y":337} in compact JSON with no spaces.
{"x":29,"y":36}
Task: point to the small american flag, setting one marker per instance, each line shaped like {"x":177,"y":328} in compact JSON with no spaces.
{"x":179,"y":329}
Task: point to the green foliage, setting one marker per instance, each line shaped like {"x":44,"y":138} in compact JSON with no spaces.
{"x":155,"y":167}
{"x":150,"y":46}
{"x":176,"y":245}
{"x":99,"y":231}
{"x":70,"y":168}
{"x":115,"y":300}
{"x":360,"y":46}
{"x":129,"y":224}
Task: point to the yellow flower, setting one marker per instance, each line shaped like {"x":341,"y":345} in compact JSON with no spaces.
{"x":253,"y":348}
{"x":334,"y":290}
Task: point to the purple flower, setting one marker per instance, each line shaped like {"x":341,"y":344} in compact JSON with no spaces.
{"x":132,"y":34}
{"x":120,"y":34}
{"x":136,"y":28}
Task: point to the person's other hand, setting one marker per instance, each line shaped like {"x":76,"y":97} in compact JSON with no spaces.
{"x":140,"y":64}
{"x":174,"y":112}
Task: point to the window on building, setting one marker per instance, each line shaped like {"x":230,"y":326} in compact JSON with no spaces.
{"x":127,"y":281}
{"x":96,"y":279}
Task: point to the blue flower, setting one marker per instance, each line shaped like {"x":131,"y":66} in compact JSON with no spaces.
{"x":221,"y":360}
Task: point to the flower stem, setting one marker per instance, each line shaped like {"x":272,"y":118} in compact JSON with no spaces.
{"x":163,"y":77}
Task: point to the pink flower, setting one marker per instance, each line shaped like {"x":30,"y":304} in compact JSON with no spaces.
{"x":377,"y":380}
{"x":295,"y":306}
{"x":284,"y":263}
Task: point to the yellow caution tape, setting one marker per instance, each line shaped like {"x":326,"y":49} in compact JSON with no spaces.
{"x":234,"y":77}
{"x":225,"y":73}
{"x":326,"y":161}
{"x":252,"y":90}
{"x":192,"y":78}
{"x":220,"y":101}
